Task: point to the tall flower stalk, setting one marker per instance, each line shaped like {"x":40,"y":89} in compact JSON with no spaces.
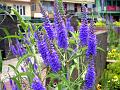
{"x":36,"y":84}
{"x":90,"y":53}
{"x":92,"y":41}
{"x":90,"y":76}
{"x":47,"y":25}
{"x":84,"y":29}
{"x":54,"y":59}
{"x":60,"y":28}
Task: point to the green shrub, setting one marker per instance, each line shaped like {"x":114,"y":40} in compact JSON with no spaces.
{"x":117,"y":24}
{"x":100,"y":24}
{"x":114,"y":53}
{"x":110,"y":79}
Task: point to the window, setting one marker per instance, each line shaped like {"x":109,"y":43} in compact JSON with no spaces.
{"x":47,"y":6}
{"x":33,"y":7}
{"x":75,"y":7}
{"x":20,"y":9}
{"x":70,"y":6}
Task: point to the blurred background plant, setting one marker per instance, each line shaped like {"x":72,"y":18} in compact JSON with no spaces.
{"x":110,"y":79}
{"x":100,"y":24}
{"x":114,"y":54}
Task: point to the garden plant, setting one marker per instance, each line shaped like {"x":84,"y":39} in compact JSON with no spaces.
{"x":49,"y":57}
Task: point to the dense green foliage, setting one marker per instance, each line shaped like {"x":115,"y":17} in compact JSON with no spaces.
{"x":110,"y":79}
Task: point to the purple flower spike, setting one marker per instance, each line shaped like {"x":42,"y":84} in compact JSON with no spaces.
{"x":43,"y":50}
{"x":37,"y":85}
{"x":90,"y":76}
{"x":54,"y":60}
{"x":83,"y":34}
{"x":20,"y":49}
{"x":13,"y":49}
{"x":92,"y":41}
{"x":84,"y":29}
{"x":68,"y":24}
{"x":49,"y":28}
{"x":47,"y":25}
{"x":60,"y":28}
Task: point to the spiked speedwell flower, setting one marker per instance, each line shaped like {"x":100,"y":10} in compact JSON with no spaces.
{"x":54,"y":60}
{"x":49,"y":28}
{"x":37,"y":85}
{"x":17,"y":49}
{"x":84,"y":27}
{"x":60,"y":28}
{"x":90,"y":76}
{"x":43,"y":50}
{"x":92,"y":42}
{"x":68,"y":25}
{"x":47,"y":25}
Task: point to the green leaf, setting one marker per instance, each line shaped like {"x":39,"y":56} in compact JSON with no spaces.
{"x":16,"y":71}
{"x":71,"y":41}
{"x":84,"y":48}
{"x":52,"y":75}
{"x":30,"y":74}
{"x":60,"y":86}
{"x":75,"y":56}
{"x":100,"y":49}
{"x":70,"y":49}
{"x":23,"y":24}
{"x":75,"y":35}
{"x":72,"y":68}
{"x":13,"y":36}
{"x":23,"y":58}
{"x":17,"y":14}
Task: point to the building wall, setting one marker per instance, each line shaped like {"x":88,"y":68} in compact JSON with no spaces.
{"x":75,"y":1}
{"x":27,"y":7}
